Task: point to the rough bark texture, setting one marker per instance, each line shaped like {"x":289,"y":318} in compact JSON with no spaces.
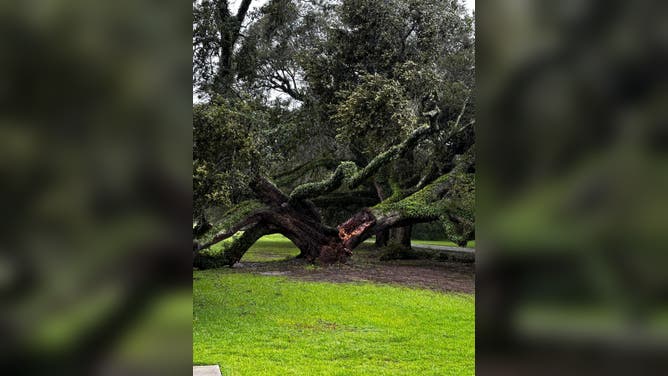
{"x":382,"y":238}
{"x":401,"y":236}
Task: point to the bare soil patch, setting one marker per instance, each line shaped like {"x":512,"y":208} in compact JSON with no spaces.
{"x":365,"y":266}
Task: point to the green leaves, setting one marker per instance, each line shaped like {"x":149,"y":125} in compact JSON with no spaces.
{"x":227,"y":151}
{"x":374,"y":115}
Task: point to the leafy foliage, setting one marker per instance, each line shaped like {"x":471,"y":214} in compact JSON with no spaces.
{"x":375,"y":115}
{"x":227,"y":152}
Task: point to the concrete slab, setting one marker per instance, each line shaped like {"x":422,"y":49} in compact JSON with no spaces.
{"x":206,"y":371}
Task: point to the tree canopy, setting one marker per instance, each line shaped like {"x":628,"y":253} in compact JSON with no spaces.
{"x":331,"y":121}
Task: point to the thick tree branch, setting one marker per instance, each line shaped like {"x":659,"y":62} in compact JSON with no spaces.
{"x":333,"y":182}
{"x":267,"y":191}
{"x":307,"y":166}
{"x":347,"y":172}
{"x":241,"y":13}
{"x":435,"y":201}
{"x":235,"y":251}
{"x":235,"y":219}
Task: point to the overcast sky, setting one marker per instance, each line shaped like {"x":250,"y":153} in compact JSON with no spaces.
{"x":258,"y":3}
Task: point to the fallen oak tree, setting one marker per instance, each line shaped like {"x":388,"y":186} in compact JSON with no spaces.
{"x":294,"y":215}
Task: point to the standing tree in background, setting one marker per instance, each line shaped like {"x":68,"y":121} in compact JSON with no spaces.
{"x":362,"y":106}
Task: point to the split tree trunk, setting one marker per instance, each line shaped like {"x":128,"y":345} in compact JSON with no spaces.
{"x":297,"y":220}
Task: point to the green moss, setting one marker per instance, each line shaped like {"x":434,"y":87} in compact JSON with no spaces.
{"x":442,"y":196}
{"x":232,"y":217}
{"x":343,"y":172}
{"x":386,"y":156}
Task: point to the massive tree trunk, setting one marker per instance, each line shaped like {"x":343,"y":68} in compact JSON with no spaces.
{"x":382,"y":237}
{"x":298,"y":220}
{"x":401,"y":236}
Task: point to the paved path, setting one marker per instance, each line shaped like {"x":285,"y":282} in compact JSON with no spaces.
{"x":206,"y":371}
{"x":457,"y":253}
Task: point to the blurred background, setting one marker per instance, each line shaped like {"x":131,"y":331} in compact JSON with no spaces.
{"x":95,"y":164}
{"x":572,"y":187}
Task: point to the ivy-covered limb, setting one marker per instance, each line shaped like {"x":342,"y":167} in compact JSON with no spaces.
{"x":232,"y":221}
{"x":232,"y":253}
{"x":391,"y":154}
{"x":433,"y":201}
{"x":283,"y":177}
{"x":349,"y":174}
{"x":451,"y":194}
{"x":352,"y":176}
{"x":360,"y":198}
{"x":344,"y":171}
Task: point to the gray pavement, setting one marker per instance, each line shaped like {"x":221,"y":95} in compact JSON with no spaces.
{"x":455,"y":253}
{"x":206,"y":371}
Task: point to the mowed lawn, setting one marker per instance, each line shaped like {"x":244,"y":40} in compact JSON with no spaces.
{"x":469,"y":244}
{"x":267,"y":325}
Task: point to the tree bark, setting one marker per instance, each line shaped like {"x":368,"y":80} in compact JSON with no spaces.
{"x":382,"y":238}
{"x":401,"y":236}
{"x":202,"y":227}
{"x":229,"y":28}
{"x":235,"y":252}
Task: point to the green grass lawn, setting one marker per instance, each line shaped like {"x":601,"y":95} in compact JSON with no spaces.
{"x":271,"y":248}
{"x":470,"y":244}
{"x":266,"y":325}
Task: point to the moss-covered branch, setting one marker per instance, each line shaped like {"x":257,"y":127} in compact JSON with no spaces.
{"x":391,"y":154}
{"x":309,"y":190}
{"x":350,"y":174}
{"x":234,"y":251}
{"x":437,"y":199}
{"x":305,"y":168}
{"x":234,"y":220}
{"x":450,"y":194}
